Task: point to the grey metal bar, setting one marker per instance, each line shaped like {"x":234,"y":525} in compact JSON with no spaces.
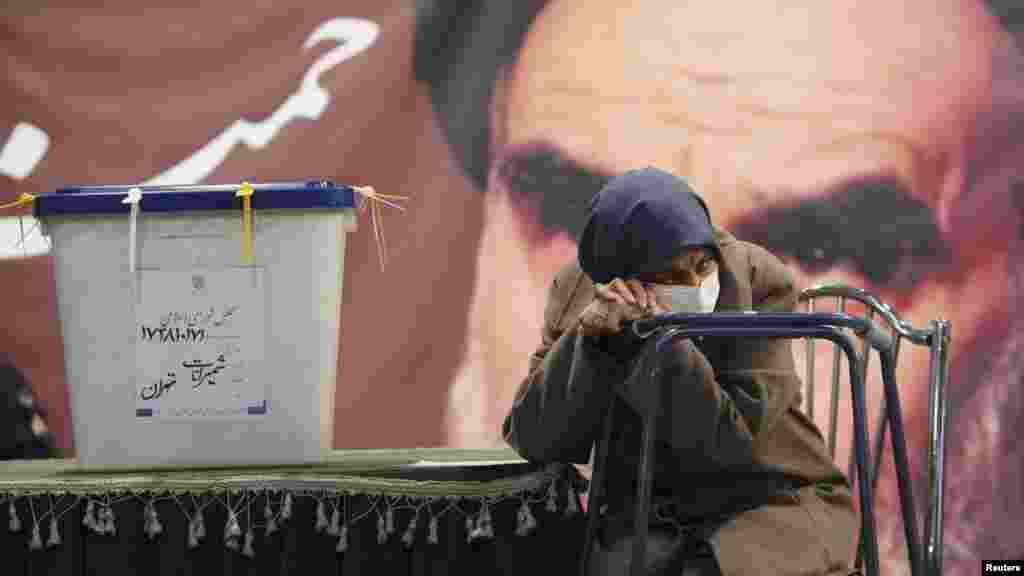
{"x":866,"y":351}
{"x":883,"y":424}
{"x":915,"y":335}
{"x":937,"y":338}
{"x":833,"y":415}
{"x":845,"y":344}
{"x":879,"y":444}
{"x":938,"y":418}
{"x":874,"y":463}
{"x":809,"y":384}
{"x":902,"y":461}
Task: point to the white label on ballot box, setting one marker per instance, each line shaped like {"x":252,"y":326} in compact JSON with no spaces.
{"x":198,"y":338}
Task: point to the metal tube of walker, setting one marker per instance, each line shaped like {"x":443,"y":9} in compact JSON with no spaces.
{"x":937,"y":420}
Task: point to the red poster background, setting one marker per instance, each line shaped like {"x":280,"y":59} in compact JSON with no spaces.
{"x":433,"y":345}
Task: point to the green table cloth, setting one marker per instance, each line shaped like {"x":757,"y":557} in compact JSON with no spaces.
{"x":418,"y":511}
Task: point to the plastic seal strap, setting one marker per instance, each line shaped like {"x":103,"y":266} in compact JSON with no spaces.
{"x":134,"y":198}
{"x":372,"y":200}
{"x":245,"y":192}
{"x":22,"y":200}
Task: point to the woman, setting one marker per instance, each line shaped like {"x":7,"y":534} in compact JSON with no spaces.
{"x":744,"y":483}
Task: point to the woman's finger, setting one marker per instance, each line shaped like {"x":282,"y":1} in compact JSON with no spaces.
{"x":657,"y":306}
{"x":623,"y":291}
{"x":639,"y":293}
{"x":605,"y":293}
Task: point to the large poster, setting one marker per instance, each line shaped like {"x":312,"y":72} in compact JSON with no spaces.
{"x":873,"y":142}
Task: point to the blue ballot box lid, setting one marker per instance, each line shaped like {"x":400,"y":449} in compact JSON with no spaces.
{"x":319,"y":194}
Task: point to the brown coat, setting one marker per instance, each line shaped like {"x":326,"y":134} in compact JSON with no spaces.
{"x":738,"y":433}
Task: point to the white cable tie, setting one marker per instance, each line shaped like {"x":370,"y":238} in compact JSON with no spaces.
{"x":134,"y":198}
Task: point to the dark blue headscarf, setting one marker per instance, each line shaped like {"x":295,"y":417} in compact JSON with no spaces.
{"x":638,"y":222}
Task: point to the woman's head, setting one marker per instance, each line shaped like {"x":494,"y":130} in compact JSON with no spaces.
{"x":650,"y":225}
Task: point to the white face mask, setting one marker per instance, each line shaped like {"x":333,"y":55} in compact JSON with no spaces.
{"x":692,"y":299}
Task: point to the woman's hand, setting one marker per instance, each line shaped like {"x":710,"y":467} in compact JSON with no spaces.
{"x":617,"y":303}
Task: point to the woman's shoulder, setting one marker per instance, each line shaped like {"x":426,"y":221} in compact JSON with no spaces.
{"x":570,"y":292}
{"x":571,"y":281}
{"x":737,"y":251}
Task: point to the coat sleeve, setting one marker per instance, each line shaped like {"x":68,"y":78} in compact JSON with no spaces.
{"x":762,"y":371}
{"x":558,"y":409}
{"x":718,"y":412}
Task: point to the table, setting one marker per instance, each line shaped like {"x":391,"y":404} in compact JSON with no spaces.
{"x":422,"y":512}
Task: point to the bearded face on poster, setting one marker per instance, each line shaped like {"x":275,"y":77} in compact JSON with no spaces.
{"x":873,"y":143}
{"x":869,"y":142}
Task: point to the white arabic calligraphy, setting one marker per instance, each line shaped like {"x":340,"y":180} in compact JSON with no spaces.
{"x":25,"y":148}
{"x":354,"y":35}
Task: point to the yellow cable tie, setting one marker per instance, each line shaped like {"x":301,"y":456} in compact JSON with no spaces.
{"x":245,"y":192}
{"x":390,"y":196}
{"x":23,"y":199}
